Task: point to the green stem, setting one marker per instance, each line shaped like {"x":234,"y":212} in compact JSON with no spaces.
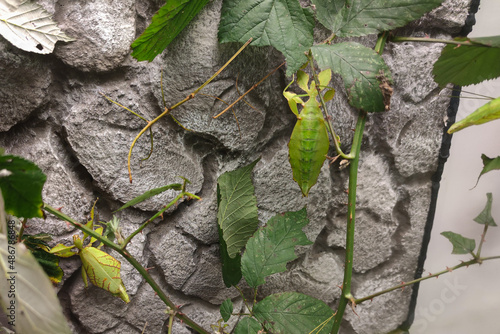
{"x":382,"y":38}
{"x":478,"y":254}
{"x":426,"y":40}
{"x":144,"y":273}
{"x":405,"y":284}
{"x":351,"y":211}
{"x":158,"y":214}
{"x":244,"y":299}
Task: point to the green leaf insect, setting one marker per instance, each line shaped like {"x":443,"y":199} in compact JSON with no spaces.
{"x":486,"y":113}
{"x":309,"y":142}
{"x":103,"y":271}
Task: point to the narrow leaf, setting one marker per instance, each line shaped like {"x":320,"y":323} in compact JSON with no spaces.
{"x":166,"y":24}
{"x":247,"y":325}
{"x":29,"y":27}
{"x":226,"y":309}
{"x":461,"y":245}
{"x":489,"y":164}
{"x":283,"y":24}
{"x":273,"y":246}
{"x":474,"y":61}
{"x":103,"y":271}
{"x":237,"y":215}
{"x":485,"y":217}
{"x":486,"y":113}
{"x":21,"y":182}
{"x":363,"y":70}
{"x":150,"y":193}
{"x":37,"y":309}
{"x":292,"y":312}
{"x":363,"y":17}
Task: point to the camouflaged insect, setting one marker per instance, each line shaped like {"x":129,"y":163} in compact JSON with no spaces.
{"x":309,"y":142}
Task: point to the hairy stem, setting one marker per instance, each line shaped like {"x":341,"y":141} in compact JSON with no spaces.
{"x":126,"y":255}
{"x":351,"y":211}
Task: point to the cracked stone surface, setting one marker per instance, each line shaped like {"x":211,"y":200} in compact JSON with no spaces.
{"x":53,"y":112}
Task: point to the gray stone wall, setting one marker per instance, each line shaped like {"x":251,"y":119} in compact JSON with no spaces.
{"x":52,"y":112}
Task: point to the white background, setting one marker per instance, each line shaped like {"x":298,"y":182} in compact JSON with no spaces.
{"x":466,"y":300}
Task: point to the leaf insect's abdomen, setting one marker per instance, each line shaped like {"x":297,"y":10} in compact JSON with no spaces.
{"x":308,"y":147}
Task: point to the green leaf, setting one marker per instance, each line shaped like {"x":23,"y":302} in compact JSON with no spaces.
{"x":226,"y":309}
{"x":461,"y":245}
{"x":292,"y":312}
{"x":273,"y":246}
{"x":489,"y":164}
{"x":363,"y":17}
{"x":166,"y":24}
{"x":474,"y":61}
{"x":231,"y":267}
{"x":363,"y":70}
{"x":150,"y":193}
{"x":247,"y":325}
{"x":37,"y":309}
{"x":237,"y":215}
{"x":328,"y":12}
{"x":50,"y":264}
{"x":486,"y":113}
{"x":103,"y":271}
{"x":283,"y":24}
{"x":485,"y":217}
{"x":28,"y":26}
{"x":39,"y":248}
{"x":21,"y":182}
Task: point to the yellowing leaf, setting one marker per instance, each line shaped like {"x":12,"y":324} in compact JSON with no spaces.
{"x":103,"y":271}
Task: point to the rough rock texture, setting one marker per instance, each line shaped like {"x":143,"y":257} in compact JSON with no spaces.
{"x":52,"y":112}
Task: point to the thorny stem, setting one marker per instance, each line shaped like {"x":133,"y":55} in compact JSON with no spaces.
{"x":167,"y":110}
{"x":346,"y":295}
{"x":447,"y":270}
{"x":125,"y":254}
{"x":478,"y":254}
